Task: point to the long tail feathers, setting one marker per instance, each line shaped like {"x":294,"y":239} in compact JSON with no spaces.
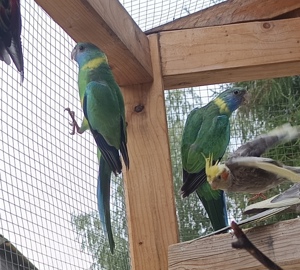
{"x":16,"y":54}
{"x":103,"y":197}
{"x":215,"y":206}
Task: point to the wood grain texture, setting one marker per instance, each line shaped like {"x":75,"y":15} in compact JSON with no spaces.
{"x":280,"y":242}
{"x":231,"y":11}
{"x":150,"y":204}
{"x":230,"y":53}
{"x":106,"y":24}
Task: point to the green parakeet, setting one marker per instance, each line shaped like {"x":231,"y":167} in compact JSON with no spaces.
{"x":207,"y":132}
{"x":245,"y":171}
{"x":104,"y":112}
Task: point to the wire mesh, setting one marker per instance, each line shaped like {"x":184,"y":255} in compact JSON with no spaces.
{"x":48,"y":177}
{"x":152,"y":13}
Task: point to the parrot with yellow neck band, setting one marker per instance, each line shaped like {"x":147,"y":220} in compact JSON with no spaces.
{"x":246,"y":171}
{"x":104,"y":114}
{"x":207,"y":131}
{"x":10,"y":34}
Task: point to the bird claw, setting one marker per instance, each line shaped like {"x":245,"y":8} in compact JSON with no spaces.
{"x":73,"y":123}
{"x":255,"y":197}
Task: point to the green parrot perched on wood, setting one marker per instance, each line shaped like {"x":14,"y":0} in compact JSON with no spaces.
{"x":104,"y":115}
{"x":10,"y":34}
{"x":206,"y":131}
{"x":246,"y":172}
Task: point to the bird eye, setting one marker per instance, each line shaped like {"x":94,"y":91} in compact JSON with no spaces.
{"x":219,"y":177}
{"x":81,"y":48}
{"x":236,"y":92}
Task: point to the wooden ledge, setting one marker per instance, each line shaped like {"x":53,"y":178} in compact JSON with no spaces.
{"x":279,"y":241}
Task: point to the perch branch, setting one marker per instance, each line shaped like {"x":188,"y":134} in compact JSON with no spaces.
{"x":244,"y":243}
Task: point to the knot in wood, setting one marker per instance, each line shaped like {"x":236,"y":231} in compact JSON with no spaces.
{"x":139,"y":108}
{"x":266,"y":25}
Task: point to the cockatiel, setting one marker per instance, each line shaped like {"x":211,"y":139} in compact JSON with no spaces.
{"x":104,"y":111}
{"x":245,"y":171}
{"x":207,"y":130}
{"x":10,"y":34}
{"x":289,"y":198}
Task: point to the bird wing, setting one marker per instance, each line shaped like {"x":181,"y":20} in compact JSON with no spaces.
{"x":262,"y":143}
{"x":288,"y":198}
{"x":212,"y":138}
{"x":266,"y":164}
{"x":101,"y":109}
{"x":10,"y":30}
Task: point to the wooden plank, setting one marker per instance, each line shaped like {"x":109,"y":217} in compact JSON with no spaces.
{"x":231,"y":11}
{"x":106,"y":24}
{"x":230,"y":53}
{"x":280,"y":242}
{"x":293,"y":14}
{"x":150,"y":202}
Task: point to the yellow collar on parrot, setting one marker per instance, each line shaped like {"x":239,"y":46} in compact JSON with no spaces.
{"x":94,"y":63}
{"x":222,"y":105}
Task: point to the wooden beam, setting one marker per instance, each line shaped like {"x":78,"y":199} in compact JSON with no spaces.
{"x":230,"y":53}
{"x":280,"y":242}
{"x":150,"y":203}
{"x":231,"y":11}
{"x":106,"y":24}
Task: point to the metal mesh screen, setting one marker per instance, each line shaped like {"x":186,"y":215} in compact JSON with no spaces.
{"x":272,"y":103}
{"x":152,"y":13}
{"x":48,"y":207}
{"x":48,"y":181}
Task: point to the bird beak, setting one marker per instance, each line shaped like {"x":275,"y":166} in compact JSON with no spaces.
{"x":73,"y":53}
{"x":246,"y":97}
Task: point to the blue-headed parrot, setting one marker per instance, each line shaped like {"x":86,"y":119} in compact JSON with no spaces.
{"x":104,"y":115}
{"x":207,"y":132}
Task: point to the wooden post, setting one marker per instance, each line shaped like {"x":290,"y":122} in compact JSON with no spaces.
{"x":150,"y":204}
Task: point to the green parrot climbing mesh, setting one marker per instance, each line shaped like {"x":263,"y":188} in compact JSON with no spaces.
{"x":48,"y":207}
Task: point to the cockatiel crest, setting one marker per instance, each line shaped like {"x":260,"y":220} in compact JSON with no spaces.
{"x":215,"y":173}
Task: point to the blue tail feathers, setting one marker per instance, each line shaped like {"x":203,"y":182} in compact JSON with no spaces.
{"x":103,"y":197}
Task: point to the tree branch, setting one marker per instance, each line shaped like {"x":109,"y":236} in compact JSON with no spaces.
{"x":244,"y":243}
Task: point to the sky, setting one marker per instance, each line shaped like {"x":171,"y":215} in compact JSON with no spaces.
{"x":46,"y":175}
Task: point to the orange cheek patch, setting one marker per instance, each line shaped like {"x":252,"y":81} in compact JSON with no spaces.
{"x":224,"y":175}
